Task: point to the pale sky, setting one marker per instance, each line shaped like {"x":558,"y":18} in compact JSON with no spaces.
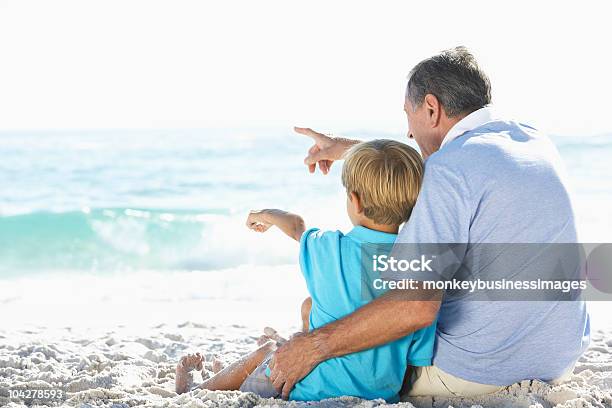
{"x":336,"y":64}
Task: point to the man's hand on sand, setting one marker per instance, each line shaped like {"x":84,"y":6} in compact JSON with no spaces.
{"x":293,"y":361}
{"x":326,"y":149}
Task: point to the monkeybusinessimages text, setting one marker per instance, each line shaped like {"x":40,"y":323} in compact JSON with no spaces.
{"x":385,"y":263}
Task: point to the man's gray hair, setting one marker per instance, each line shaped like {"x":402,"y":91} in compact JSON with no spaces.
{"x":454,"y":77}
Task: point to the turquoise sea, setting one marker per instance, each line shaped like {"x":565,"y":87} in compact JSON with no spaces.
{"x":102,"y":202}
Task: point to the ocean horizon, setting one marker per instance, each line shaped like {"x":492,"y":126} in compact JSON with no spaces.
{"x":116,"y":201}
{"x":136,"y":225}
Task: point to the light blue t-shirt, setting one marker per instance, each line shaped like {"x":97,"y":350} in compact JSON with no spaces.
{"x":331,"y":264}
{"x":500,"y":182}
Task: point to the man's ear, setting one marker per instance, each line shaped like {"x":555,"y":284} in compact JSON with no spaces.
{"x":354,"y":197}
{"x":434,"y":109}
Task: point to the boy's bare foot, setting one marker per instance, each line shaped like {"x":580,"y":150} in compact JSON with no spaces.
{"x":270,"y":334}
{"x":184,"y":375}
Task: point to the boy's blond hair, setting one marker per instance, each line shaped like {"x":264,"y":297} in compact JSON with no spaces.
{"x":386,"y":175}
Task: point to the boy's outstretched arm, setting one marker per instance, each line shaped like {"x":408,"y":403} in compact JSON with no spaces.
{"x":291,"y":224}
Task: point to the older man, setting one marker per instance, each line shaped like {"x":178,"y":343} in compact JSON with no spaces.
{"x":487,"y":180}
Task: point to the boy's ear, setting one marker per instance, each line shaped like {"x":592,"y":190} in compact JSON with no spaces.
{"x":354,"y":197}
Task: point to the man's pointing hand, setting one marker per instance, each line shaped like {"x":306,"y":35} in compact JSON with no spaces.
{"x":326,"y":149}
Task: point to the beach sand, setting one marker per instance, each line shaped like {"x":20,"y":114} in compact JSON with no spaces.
{"x":123,"y":367}
{"x":114,"y":341}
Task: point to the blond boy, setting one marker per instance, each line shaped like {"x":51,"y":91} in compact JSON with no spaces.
{"x":382,"y":180}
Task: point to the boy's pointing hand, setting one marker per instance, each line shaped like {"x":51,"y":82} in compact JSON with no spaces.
{"x":256,"y":221}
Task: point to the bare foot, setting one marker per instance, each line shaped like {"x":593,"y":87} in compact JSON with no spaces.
{"x":270,"y":334}
{"x":217,"y":365}
{"x":184,"y":375}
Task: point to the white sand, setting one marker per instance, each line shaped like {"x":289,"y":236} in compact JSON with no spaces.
{"x":114,"y":342}
{"x":136,"y":368}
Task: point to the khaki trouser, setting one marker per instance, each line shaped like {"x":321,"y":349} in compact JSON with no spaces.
{"x":431,"y":381}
